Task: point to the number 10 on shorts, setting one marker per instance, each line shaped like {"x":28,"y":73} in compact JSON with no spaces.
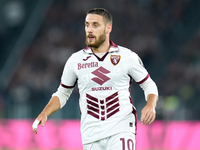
{"x":127,"y":144}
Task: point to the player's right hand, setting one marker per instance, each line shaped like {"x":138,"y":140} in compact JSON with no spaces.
{"x":35,"y":125}
{"x":41,"y":119}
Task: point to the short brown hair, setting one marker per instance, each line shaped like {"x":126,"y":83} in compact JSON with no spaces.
{"x":102,"y":12}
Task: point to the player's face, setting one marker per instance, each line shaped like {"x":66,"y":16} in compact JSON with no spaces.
{"x":95,"y":29}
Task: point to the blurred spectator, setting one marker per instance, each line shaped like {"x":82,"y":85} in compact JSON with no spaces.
{"x":14,"y":13}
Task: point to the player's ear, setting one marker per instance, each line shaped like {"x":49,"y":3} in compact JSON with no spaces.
{"x":109,"y":28}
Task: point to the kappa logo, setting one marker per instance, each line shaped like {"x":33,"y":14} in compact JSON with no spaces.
{"x":101,"y":77}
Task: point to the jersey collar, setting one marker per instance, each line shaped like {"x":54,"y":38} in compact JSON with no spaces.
{"x":113,"y":48}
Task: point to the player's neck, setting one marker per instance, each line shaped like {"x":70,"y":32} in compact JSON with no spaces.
{"x":103,"y":48}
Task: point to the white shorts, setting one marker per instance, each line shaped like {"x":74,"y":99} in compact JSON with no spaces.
{"x":120,"y":141}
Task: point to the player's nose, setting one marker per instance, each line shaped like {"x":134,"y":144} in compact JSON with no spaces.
{"x":89,"y":29}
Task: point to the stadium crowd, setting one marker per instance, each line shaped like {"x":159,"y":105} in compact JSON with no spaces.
{"x":148,"y":27}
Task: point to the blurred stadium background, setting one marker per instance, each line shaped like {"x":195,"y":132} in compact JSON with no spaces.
{"x":37,"y":37}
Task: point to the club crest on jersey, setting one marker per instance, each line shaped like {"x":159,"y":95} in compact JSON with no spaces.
{"x":115,"y":59}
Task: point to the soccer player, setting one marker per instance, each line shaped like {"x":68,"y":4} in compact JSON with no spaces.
{"x":104,"y":72}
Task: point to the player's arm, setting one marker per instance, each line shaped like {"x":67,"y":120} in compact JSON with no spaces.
{"x":58,"y":100}
{"x":141,"y":76}
{"x":60,"y":97}
{"x":51,"y":107}
{"x":148,"y":113}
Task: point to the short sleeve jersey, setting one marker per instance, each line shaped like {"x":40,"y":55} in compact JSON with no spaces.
{"x":104,"y":86}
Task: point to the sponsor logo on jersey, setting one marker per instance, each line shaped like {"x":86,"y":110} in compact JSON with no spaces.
{"x":86,"y":58}
{"x":101,"y":77}
{"x":87,"y":65}
{"x":101,"y":88}
{"x":104,"y":108}
{"x":115,"y":59}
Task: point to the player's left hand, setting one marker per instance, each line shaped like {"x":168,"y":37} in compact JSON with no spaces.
{"x":148,"y":114}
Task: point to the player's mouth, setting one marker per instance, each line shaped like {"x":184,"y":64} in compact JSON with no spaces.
{"x":90,"y":37}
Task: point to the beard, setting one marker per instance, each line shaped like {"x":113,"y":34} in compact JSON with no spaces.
{"x":98,"y":42}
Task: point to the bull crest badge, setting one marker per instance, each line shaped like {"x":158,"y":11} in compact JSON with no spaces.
{"x":115,"y":59}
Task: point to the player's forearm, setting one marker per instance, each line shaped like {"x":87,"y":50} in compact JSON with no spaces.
{"x":152,"y":100}
{"x":52,"y":106}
